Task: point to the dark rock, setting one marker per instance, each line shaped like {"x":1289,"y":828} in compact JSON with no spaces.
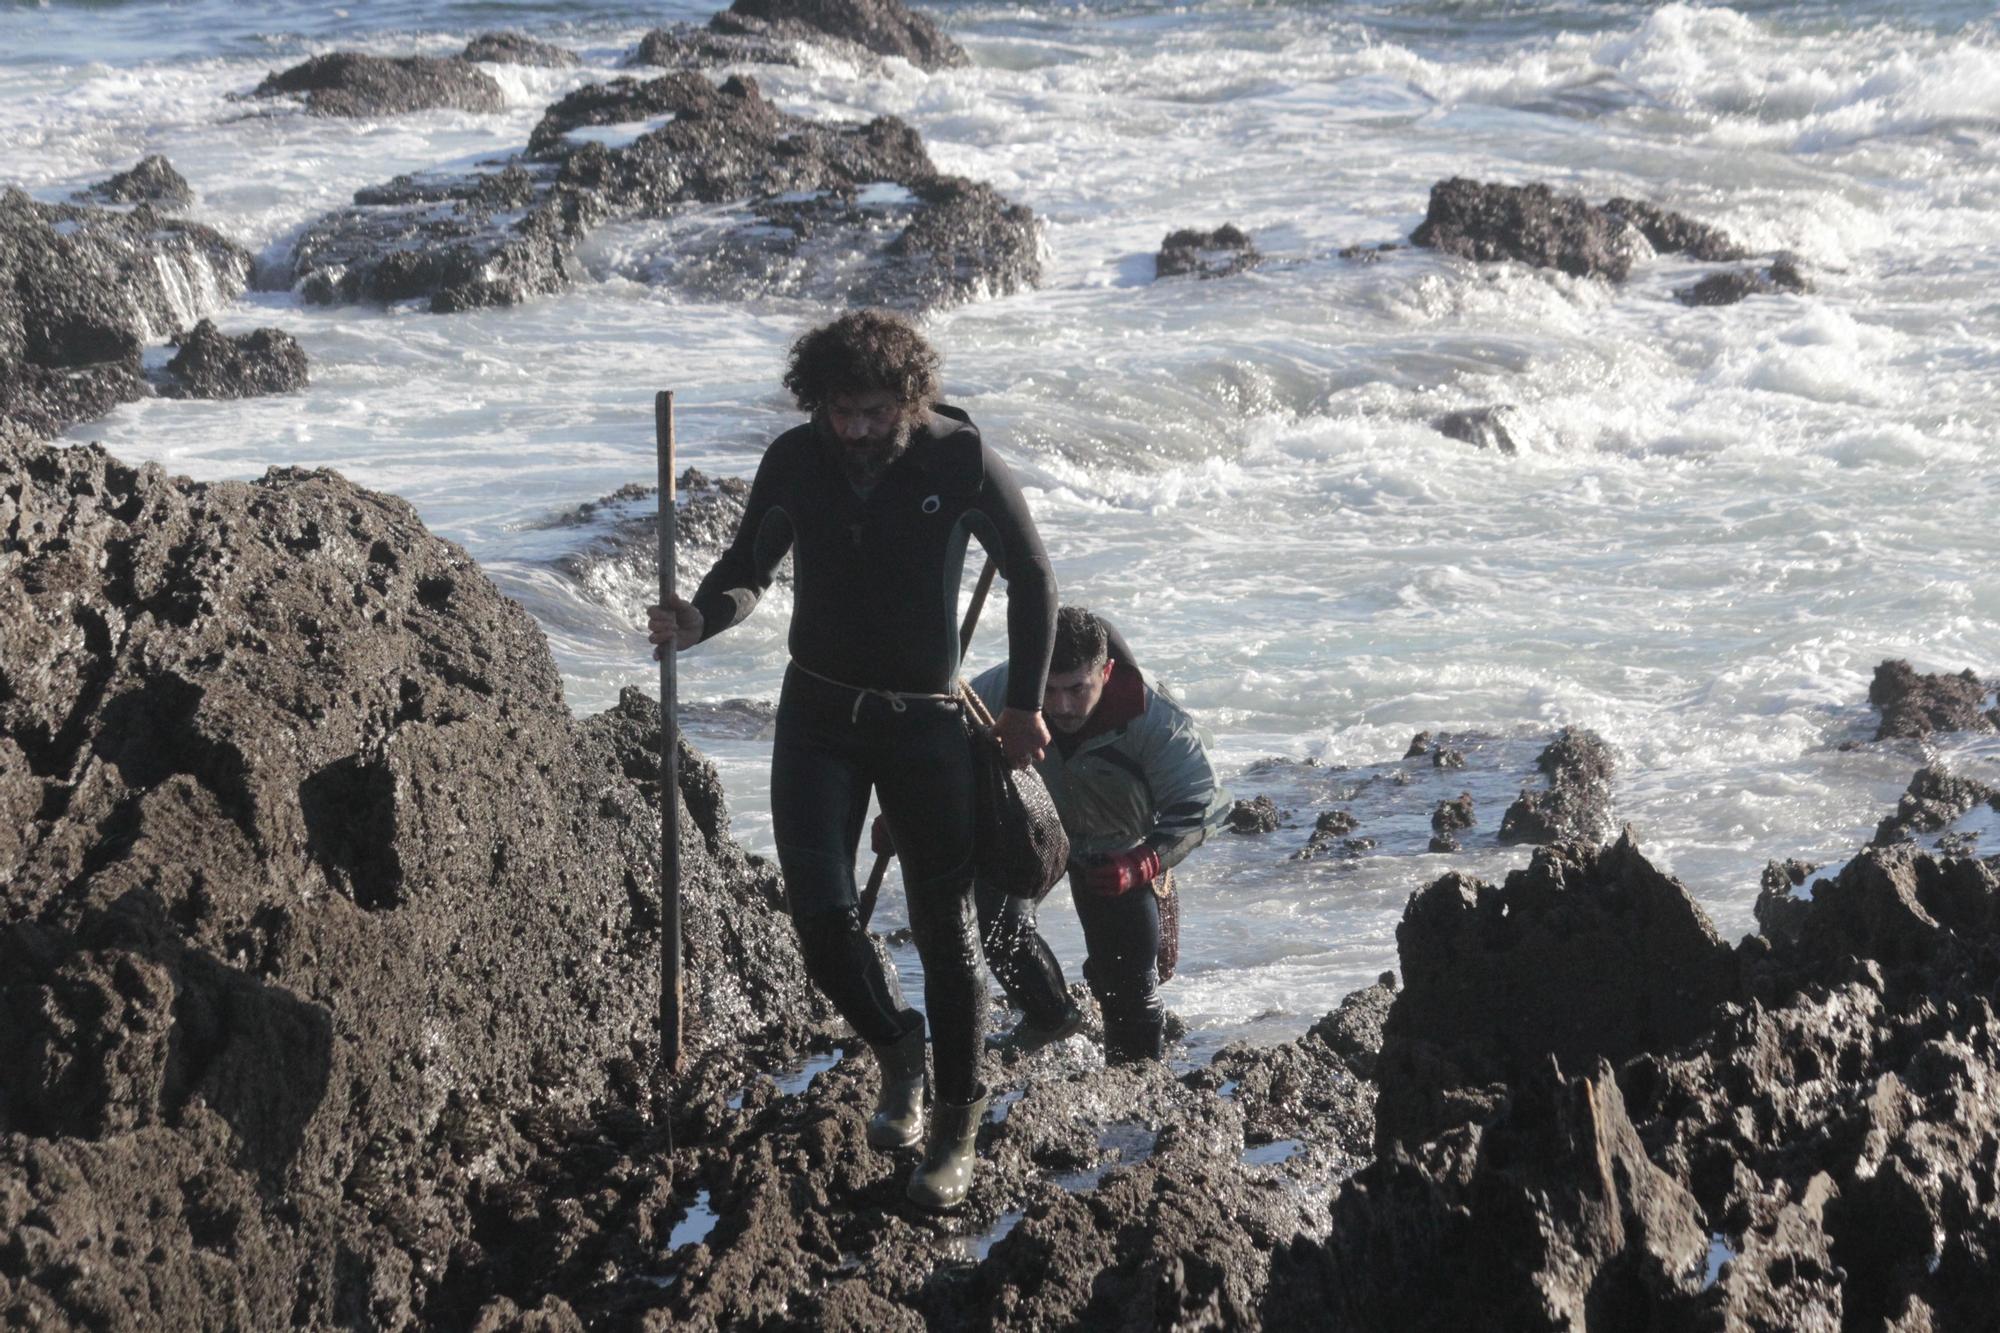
{"x":326,"y":922}
{"x":1783,"y":275}
{"x":1827,"y":1134}
{"x":1585,"y":955}
{"x":1935,"y":799}
{"x":885,"y":27}
{"x":154,"y":181}
{"x":82,"y":290}
{"x":1577,"y":802}
{"x":1673,"y":233}
{"x":1206,"y":254}
{"x":1485,"y":427}
{"x":211,"y":364}
{"x":1354,"y":1030}
{"x":621,"y":564}
{"x":1328,"y":836}
{"x":1780,"y":908}
{"x":1530,"y":224}
{"x":1445,"y":757}
{"x":460,"y":242}
{"x":1369,"y":254}
{"x":1533,"y":225}
{"x":349,"y":83}
{"x":843,"y":213}
{"x":1914,"y":705}
{"x":1259,"y":815}
{"x":1549,"y":1216}
{"x":1420,"y":745}
{"x":1453,"y":816}
{"x":685,"y":46}
{"x":513,"y":48}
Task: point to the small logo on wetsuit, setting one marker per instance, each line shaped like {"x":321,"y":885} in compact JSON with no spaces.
{"x":932,"y":504}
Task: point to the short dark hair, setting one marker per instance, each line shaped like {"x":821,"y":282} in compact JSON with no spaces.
{"x":862,"y":351}
{"x":1080,"y":641}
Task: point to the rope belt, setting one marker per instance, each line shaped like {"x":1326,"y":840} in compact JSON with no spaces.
{"x":899,"y":700}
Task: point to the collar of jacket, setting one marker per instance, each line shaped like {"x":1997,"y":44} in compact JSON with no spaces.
{"x":1122,"y":703}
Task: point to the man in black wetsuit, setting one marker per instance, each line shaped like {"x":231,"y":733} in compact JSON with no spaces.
{"x":877,"y":497}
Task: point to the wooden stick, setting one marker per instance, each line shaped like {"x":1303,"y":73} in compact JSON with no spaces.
{"x":670,"y":754}
{"x":965,"y":629}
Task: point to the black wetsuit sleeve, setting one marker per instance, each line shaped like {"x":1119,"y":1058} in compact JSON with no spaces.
{"x":1116,"y":647}
{"x":1008,"y":534}
{"x":729,"y":592}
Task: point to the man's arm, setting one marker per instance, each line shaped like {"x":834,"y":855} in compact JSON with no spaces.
{"x":1188,"y":798}
{"x":1008,"y":534}
{"x":743,"y":573}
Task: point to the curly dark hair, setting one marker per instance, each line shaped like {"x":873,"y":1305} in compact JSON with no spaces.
{"x":860,"y":352}
{"x":1080,"y":641}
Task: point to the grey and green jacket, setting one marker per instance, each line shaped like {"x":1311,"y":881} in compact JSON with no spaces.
{"x":1139,"y":773}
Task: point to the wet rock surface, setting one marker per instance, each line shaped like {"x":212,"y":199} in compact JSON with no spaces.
{"x":1329,"y":835}
{"x":1485,"y":427}
{"x":83,"y":290}
{"x":1934,"y":799}
{"x":1796,"y":1144}
{"x":754,"y":201}
{"x":154,"y":181}
{"x":1221,"y":253}
{"x":513,"y":48}
{"x":1577,"y":802}
{"x":766,"y":31}
{"x":1532,"y":224}
{"x":213,"y":364}
{"x":1258,"y":814}
{"x":1782,"y":275}
{"x":620,"y":563}
{"x":324,"y":914}
{"x":354,"y":84}
{"x":1916,"y":705}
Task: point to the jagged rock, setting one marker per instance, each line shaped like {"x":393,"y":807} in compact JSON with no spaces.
{"x":82,"y":290}
{"x":1672,"y":233}
{"x":1485,"y":427}
{"x":1584,"y":955}
{"x":1420,"y":745}
{"x":1531,"y":224}
{"x":1206,"y":254}
{"x":1577,"y":802}
{"x":1449,"y":820}
{"x":1354,"y":1030}
{"x":1446,"y":757}
{"x":1934,"y":799}
{"x":211,"y":364}
{"x":769,"y":31}
{"x":321,"y":907}
{"x":883,"y":26}
{"x":1369,"y":254}
{"x":1258,"y":815}
{"x":1783,"y":275}
{"x":852,"y":214}
{"x":154,"y":181}
{"x":1914,"y":705}
{"x":1548,"y":1217}
{"x":460,"y":241}
{"x":1329,"y":835}
{"x":349,"y":83}
{"x":513,"y":48}
{"x":621,"y":564}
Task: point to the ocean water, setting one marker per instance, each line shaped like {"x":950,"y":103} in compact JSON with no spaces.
{"x":1719,"y":521}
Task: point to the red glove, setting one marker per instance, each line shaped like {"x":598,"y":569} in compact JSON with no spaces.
{"x":880,"y":840}
{"x":1127,"y":870}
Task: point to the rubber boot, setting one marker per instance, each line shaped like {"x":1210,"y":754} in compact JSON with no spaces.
{"x":898,"y":1121}
{"x":942,"y":1179}
{"x":1131,"y":1042}
{"x":1029,"y":1035}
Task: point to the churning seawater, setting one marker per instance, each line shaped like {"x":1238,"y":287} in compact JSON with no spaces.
{"x":1720,"y":520}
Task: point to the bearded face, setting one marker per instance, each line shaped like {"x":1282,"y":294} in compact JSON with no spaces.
{"x":873,"y":429}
